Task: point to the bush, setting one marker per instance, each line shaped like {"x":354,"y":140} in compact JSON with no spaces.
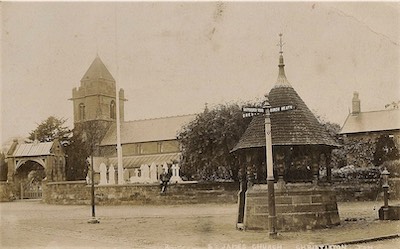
{"x":393,"y":167}
{"x":351,"y":172}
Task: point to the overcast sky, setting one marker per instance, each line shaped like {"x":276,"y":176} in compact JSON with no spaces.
{"x":172,"y":58}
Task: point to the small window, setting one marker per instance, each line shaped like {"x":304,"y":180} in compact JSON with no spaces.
{"x":159,"y":147}
{"x":82,"y":112}
{"x":112,"y":110}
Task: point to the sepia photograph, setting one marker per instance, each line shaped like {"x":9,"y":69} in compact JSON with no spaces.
{"x":200,"y":124}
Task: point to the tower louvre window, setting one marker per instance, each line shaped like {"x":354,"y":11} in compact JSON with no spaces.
{"x":82,"y":114}
{"x":112,"y":110}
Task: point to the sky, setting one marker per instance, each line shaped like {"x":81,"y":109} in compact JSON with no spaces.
{"x":173,"y":57}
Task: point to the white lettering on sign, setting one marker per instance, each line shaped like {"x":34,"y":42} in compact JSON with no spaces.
{"x":282,"y":108}
{"x":253,"y":109}
{"x":250,"y":114}
{"x":275,"y":109}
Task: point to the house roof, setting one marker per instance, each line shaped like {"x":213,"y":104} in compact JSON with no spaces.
{"x":147,"y":130}
{"x":292,"y":127}
{"x":137,"y":161}
{"x":97,"y":70}
{"x":33,"y":149}
{"x":383,"y":120}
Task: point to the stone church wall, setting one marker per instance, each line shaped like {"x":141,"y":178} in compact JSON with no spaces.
{"x":78,"y":192}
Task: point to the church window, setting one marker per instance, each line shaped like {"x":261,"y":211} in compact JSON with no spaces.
{"x":159,"y":147}
{"x":112,"y":110}
{"x":139,"y":149}
{"x":82,"y":111}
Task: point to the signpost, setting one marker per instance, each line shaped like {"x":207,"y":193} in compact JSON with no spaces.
{"x":267,"y":110}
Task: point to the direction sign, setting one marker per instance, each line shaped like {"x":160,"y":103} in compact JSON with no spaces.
{"x":253,"y":111}
{"x":282,"y":108}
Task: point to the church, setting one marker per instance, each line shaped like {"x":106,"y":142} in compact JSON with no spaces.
{"x":149,"y":146}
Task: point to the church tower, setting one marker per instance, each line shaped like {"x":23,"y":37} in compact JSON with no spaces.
{"x":95,"y":99}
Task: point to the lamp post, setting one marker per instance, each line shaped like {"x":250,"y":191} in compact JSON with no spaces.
{"x":385,"y":185}
{"x":93,"y":219}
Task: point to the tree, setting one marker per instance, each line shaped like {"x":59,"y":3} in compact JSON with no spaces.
{"x":353,"y":151}
{"x":50,"y":129}
{"x":393,"y":105}
{"x":77,"y":153}
{"x":338,"y":156}
{"x":3,"y":167}
{"x":83,"y":143}
{"x":385,"y":150}
{"x":207,"y":141}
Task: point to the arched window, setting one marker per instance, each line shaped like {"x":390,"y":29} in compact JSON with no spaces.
{"x":81,"y":111}
{"x":112,"y":110}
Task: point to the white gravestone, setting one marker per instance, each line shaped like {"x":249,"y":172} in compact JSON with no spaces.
{"x":135,"y":178}
{"x":103,"y":174}
{"x":111,"y":175}
{"x":145,"y":173}
{"x":153,"y":172}
{"x":175,"y":178}
{"x":126,"y":175}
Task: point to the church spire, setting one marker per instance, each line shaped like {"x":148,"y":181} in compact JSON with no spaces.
{"x":282,"y":80}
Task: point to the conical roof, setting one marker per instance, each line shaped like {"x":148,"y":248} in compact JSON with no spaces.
{"x":291,"y":127}
{"x":97,"y":70}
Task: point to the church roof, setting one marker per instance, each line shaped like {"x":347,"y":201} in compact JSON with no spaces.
{"x":291,"y":127}
{"x":383,"y":120}
{"x":33,"y":149}
{"x":147,"y":130}
{"x":97,"y":70}
{"x":137,"y":161}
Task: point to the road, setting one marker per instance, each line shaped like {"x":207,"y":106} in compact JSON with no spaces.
{"x":31,"y":224}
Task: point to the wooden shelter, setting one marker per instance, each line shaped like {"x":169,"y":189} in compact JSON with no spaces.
{"x":299,"y":142}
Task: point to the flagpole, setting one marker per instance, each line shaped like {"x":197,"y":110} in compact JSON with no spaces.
{"x":119,"y":147}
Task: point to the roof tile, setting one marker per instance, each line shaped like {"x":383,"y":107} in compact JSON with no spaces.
{"x":372,"y":121}
{"x":292,"y":127}
{"x":147,"y":130}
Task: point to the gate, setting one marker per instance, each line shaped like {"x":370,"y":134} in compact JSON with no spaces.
{"x":31,"y":191}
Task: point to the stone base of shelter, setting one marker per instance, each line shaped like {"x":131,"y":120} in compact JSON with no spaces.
{"x":298,"y":207}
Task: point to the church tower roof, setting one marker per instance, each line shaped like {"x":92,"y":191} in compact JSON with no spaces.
{"x":97,"y":70}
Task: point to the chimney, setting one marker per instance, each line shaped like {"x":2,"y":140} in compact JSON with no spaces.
{"x":356,"y":104}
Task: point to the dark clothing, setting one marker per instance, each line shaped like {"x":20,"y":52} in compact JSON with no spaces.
{"x":164,"y":177}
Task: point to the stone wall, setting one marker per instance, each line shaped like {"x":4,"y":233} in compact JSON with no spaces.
{"x":365,"y":190}
{"x":300,"y":206}
{"x":5,"y":192}
{"x":79,"y":193}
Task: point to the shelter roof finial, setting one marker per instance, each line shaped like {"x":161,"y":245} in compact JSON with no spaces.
{"x":281,"y":43}
{"x":282,"y":80}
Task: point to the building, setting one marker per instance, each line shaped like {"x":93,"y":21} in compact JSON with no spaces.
{"x":45,"y":160}
{"x":380,"y":129}
{"x":95,"y":99}
{"x":150,"y":143}
{"x":300,"y":148}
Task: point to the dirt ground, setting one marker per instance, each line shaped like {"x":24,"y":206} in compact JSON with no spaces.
{"x":31,"y":224}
